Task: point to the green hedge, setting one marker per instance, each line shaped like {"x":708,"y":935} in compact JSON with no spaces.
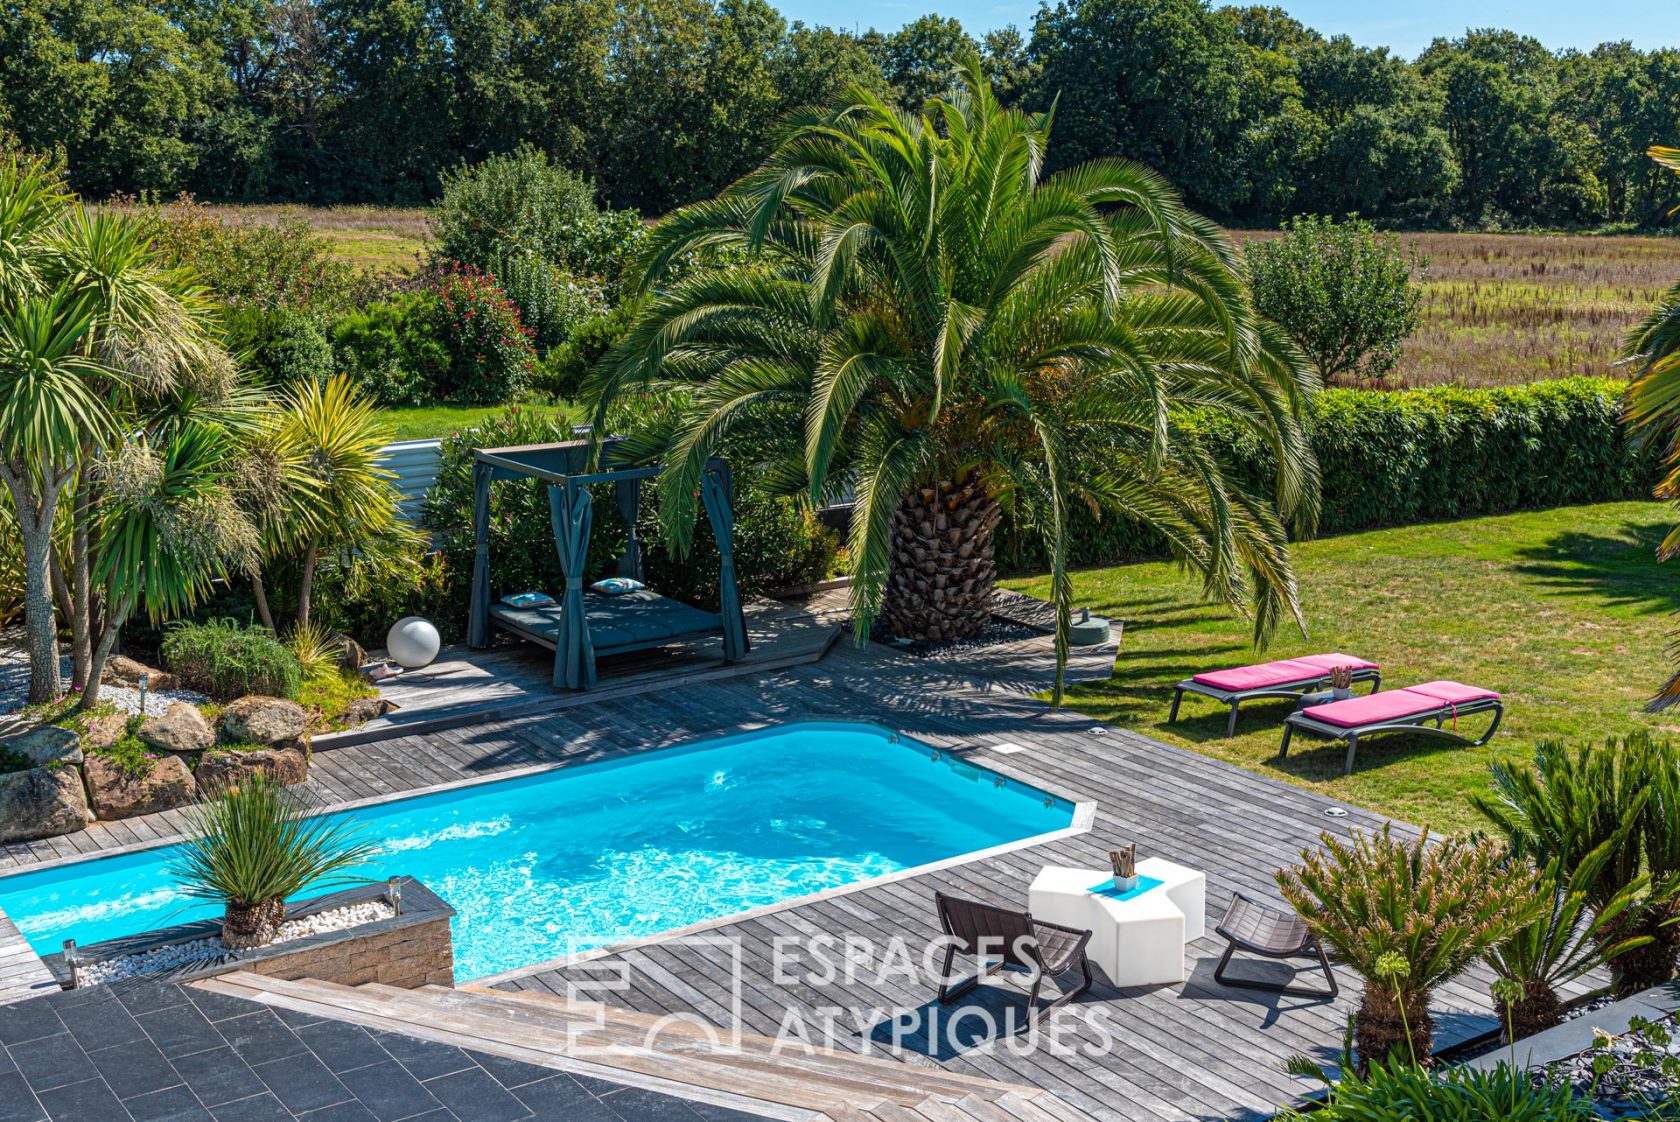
{"x":1421,"y":455}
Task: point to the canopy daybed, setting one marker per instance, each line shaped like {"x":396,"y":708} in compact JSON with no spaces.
{"x":582,"y":624}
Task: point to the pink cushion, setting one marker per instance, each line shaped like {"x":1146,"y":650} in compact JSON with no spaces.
{"x":1454,"y":693}
{"x":1329,"y":662}
{"x":1283,"y":672}
{"x":1394,"y":705}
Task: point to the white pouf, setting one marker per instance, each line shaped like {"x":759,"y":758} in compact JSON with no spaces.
{"x":1137,"y":942}
{"x":412,"y":642}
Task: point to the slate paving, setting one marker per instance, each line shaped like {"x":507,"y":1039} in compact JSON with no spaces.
{"x":157,"y":1052}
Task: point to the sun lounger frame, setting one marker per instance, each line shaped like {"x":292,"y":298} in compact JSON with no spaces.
{"x":1416,"y":722}
{"x":1293,"y":691}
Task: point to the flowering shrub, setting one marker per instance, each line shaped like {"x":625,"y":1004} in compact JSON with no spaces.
{"x":490,"y":349}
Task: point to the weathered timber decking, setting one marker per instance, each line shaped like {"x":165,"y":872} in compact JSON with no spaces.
{"x":1195,"y":1051}
{"x":515,"y":679}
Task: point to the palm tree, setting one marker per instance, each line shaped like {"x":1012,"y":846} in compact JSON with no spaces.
{"x":1653,"y":402}
{"x":919,"y":313}
{"x":97,"y":338}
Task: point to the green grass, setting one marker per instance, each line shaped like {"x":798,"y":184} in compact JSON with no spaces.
{"x":1565,"y":612}
{"x":424,"y":422}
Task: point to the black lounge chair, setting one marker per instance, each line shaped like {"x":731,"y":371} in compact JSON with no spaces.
{"x":1257,"y":929}
{"x":1015,"y":939}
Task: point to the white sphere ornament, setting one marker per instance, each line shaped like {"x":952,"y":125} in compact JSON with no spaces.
{"x":412,"y":642}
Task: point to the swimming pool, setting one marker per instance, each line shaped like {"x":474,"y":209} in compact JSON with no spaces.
{"x":571,"y":858}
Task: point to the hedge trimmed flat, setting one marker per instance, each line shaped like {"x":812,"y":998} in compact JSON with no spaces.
{"x":1424,"y":708}
{"x":1287,"y":678}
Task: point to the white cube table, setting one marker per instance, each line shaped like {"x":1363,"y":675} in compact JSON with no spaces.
{"x":1137,"y":941}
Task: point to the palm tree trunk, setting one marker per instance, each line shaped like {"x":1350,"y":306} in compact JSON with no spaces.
{"x":81,"y":590}
{"x":307,"y":584}
{"x":260,"y":594}
{"x":107,"y":639}
{"x":1649,"y":965}
{"x":1537,"y":1009}
{"x":942,"y":572}
{"x":1392,"y":1028}
{"x":35,"y":518}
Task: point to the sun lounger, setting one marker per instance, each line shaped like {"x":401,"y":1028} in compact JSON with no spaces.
{"x":1287,"y":678}
{"x":1012,"y":938}
{"x":1426,"y":708}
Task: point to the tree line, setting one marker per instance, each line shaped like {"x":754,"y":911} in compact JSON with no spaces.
{"x":1253,"y":115}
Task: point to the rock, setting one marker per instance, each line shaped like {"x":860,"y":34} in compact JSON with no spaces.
{"x":351,"y":655}
{"x":42,"y":802}
{"x":104,"y":732}
{"x":117,"y":794}
{"x":181,"y":729}
{"x":46,"y":744}
{"x":219,"y":769}
{"x":120,"y":671}
{"x":264,"y":720}
{"x":365,"y":709}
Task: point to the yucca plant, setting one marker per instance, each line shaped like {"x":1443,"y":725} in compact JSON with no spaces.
{"x":1407,"y":915}
{"x":253,"y":846}
{"x":1568,"y":940}
{"x":1570,"y":803}
{"x":315,"y":649}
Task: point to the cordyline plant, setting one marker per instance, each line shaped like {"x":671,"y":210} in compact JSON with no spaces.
{"x":1407,"y":915}
{"x":1571,"y":804}
{"x":252,"y":847}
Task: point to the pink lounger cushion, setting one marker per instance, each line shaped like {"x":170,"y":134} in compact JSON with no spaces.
{"x":1284,"y":672}
{"x":1397,"y":705}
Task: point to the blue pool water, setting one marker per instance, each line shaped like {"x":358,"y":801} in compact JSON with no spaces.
{"x":561,"y":861}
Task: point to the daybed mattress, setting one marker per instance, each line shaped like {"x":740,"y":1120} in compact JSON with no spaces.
{"x":635,"y":619}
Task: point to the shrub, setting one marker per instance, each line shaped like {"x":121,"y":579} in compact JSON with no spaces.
{"x":394,"y":349}
{"x":490,"y":352}
{"x":1407,"y":915}
{"x":1448,"y":1094}
{"x":251,"y":847}
{"x":1413,"y":456}
{"x":224,"y":660}
{"x":551,"y":302}
{"x":1346,"y":294}
{"x":280,"y":347}
{"x":566,"y":368}
{"x":284,"y":265}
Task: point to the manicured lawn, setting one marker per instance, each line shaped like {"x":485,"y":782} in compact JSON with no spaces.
{"x":1565,"y":612}
{"x":427,"y":421}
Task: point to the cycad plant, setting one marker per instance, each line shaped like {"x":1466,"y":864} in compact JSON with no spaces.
{"x":1570,"y":939}
{"x":1407,"y":915}
{"x":252,"y":847}
{"x":914,"y":311}
{"x":1571,"y":804}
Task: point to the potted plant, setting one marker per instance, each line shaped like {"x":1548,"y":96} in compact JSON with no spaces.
{"x":252,"y":847}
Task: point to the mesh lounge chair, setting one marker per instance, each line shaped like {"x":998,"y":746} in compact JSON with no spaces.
{"x":1257,"y":929}
{"x":1015,"y":939}
{"x":1287,"y":678}
{"x":1424,"y":709}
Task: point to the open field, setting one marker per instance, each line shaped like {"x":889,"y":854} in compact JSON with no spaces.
{"x":1565,"y":612}
{"x":1498,"y":308}
{"x":1504,"y":308}
{"x":423,"y":422}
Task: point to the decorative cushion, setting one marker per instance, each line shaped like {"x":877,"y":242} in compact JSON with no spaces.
{"x":527,"y":599}
{"x":616,"y":586}
{"x":1396,"y":705}
{"x":1284,"y":672}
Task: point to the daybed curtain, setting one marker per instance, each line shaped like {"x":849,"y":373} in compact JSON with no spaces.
{"x":574,"y":656}
{"x":715,"y":495}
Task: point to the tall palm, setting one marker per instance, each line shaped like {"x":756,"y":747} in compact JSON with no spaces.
{"x":920,"y":314}
{"x":1653,"y":402}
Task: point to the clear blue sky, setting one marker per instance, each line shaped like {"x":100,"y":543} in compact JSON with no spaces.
{"x":1405,"y":26}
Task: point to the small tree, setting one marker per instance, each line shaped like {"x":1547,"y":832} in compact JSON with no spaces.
{"x":1348,"y":295}
{"x":1407,"y":915}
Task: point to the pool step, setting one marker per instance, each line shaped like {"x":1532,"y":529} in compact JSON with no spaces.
{"x":678,"y":1057}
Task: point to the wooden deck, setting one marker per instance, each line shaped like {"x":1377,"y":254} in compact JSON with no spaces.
{"x":516,"y":679}
{"x":1191,"y":1051}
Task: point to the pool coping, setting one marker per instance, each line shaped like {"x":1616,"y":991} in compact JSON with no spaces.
{"x":1083,"y":817}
